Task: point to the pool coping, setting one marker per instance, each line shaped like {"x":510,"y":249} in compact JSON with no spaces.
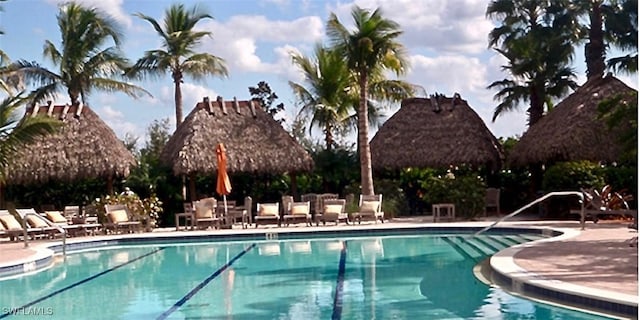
{"x":508,"y":274}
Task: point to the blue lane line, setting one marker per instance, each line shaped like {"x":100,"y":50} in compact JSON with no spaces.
{"x":6,"y":314}
{"x":202,"y":284}
{"x":337,"y":298}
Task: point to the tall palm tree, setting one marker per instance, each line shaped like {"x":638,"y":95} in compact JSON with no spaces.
{"x":538,"y":49}
{"x":622,"y":28}
{"x":15,"y":133}
{"x":325,"y":98}
{"x":605,"y":24}
{"x":179,"y":40}
{"x":83,"y":65}
{"x":370,"y":47}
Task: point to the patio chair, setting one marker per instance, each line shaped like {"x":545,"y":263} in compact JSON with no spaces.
{"x":73,"y":229}
{"x":268,"y":213}
{"x":71,"y":212}
{"x":205,"y":214}
{"x":312,"y":198}
{"x":11,"y":227}
{"x":320,"y":201}
{"x":241,"y":213}
{"x":297,"y":212}
{"x":605,"y":202}
{"x":119,"y":219}
{"x":37,"y":226}
{"x":492,"y":200}
{"x":370,"y":208}
{"x":333,"y":211}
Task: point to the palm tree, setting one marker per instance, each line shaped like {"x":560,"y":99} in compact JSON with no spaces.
{"x":372,"y":46}
{"x":326,"y":98}
{"x":82,"y":63}
{"x":538,"y":51}
{"x":622,"y":28}
{"x":15,"y":133}
{"x":603,"y":24}
{"x":179,"y":39}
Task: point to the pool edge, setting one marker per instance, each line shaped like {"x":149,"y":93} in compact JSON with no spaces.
{"x":511,"y":277}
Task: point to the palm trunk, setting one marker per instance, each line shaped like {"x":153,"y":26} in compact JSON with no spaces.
{"x":177,"y":79}
{"x":328,"y":137}
{"x":594,"y":51}
{"x":366,"y":176}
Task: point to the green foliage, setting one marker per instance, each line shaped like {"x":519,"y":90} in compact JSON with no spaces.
{"x":147,"y":210}
{"x":15,"y":133}
{"x":462,"y":187}
{"x":621,"y":111}
{"x":393,"y":199}
{"x":571,"y":176}
{"x":267,"y":99}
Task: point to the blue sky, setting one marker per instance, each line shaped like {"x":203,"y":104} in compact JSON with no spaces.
{"x":446,"y":42}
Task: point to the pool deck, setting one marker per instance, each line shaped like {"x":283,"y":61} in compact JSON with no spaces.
{"x":597,"y":261}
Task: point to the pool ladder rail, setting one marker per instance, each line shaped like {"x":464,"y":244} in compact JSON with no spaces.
{"x":545,"y":197}
{"x":25,"y":236}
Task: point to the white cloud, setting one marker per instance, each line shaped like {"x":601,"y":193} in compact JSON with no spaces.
{"x":241,"y":40}
{"x":116,"y":121}
{"x":448,"y":74}
{"x":455,"y":26}
{"x":111,"y":7}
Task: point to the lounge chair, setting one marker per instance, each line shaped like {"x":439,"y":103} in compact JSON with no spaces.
{"x":492,"y":200}
{"x":205,"y":215}
{"x":297,"y":212}
{"x":595,"y":204}
{"x":370,"y":208}
{"x":37,"y":226}
{"x":119,"y":219}
{"x":75,"y":229}
{"x":333,"y":211}
{"x":11,"y":227}
{"x":268,"y":213}
{"x":319,"y":209}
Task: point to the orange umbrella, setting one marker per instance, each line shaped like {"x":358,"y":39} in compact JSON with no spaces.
{"x":223,"y":185}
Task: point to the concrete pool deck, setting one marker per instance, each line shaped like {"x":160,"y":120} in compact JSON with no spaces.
{"x":596,"y":262}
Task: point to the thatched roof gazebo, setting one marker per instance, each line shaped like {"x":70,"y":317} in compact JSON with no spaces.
{"x":572,"y":131}
{"x":435,"y":132}
{"x":255,"y":142}
{"x":85,"y":147}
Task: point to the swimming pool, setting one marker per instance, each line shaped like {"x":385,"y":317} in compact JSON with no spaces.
{"x":359,"y":277}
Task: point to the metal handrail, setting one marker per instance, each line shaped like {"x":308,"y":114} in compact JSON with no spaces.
{"x":546,"y":196}
{"x":57,"y":227}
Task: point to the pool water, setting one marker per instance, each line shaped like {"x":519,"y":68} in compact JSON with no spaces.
{"x":391,"y":277}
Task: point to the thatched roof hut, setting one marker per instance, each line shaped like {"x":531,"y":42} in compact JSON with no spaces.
{"x":85,"y":147}
{"x":435,"y":132}
{"x":255,"y":142}
{"x":571,"y":131}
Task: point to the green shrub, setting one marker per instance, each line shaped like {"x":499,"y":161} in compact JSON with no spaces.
{"x":571,"y":176}
{"x":464,"y":189}
{"x":146,"y":210}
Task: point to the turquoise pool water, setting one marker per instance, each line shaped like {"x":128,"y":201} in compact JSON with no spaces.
{"x":391,"y":277}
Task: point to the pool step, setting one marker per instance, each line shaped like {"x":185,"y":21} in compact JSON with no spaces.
{"x":505,"y":240}
{"x":463,"y":248}
{"x":482,"y":246}
{"x":478,"y":245}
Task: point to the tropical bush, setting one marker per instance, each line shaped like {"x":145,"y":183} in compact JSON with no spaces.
{"x":571,"y":176}
{"x":147,"y":210}
{"x":462,"y":187}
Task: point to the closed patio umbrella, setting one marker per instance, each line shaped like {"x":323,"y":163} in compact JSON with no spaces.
{"x":223,"y":185}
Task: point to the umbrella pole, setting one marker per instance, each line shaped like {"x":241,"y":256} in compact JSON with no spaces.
{"x":224,"y":198}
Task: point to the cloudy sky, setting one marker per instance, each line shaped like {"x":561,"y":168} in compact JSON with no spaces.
{"x":446,"y":42}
